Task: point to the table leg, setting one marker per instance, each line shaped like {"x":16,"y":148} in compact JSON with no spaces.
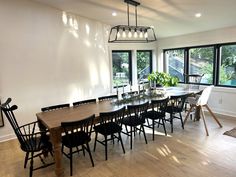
{"x":56,"y":142}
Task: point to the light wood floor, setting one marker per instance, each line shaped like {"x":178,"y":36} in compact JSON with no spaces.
{"x":185,"y":153}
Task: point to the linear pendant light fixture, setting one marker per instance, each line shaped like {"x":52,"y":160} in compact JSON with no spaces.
{"x":131,"y":34}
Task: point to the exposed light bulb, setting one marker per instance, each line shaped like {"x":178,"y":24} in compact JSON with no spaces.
{"x":118,"y":34}
{"x":124,"y":34}
{"x":141,"y":34}
{"x":130,"y":34}
{"x":135,"y":34}
{"x":146,"y":35}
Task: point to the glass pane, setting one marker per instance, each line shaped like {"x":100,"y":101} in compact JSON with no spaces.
{"x":227,"y":65}
{"x":201,"y":62}
{"x":143,"y":64}
{"x":175,"y":62}
{"x":120,"y":67}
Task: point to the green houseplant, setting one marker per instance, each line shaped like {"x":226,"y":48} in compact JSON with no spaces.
{"x":163,"y":79}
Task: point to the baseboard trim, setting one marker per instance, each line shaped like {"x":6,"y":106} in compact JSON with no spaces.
{"x":7,"y":137}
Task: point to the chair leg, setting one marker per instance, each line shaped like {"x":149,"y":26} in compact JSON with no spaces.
{"x":90,"y":155}
{"x":181,"y":119}
{"x":131,"y":137}
{"x":144,"y":133}
{"x":95,"y":141}
{"x":106,"y":147}
{"x":31,"y":164}
{"x":203,"y":117}
{"x":189,"y":111}
{"x":213,"y":115}
{"x":71,"y":161}
{"x":121,"y":143}
{"x":153,"y":131}
{"x":26,"y":159}
{"x":171,"y":122}
{"x":163,"y":123}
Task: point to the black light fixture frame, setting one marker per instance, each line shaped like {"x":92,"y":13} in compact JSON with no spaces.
{"x":114,"y":30}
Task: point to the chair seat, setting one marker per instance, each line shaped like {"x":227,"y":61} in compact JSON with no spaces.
{"x":154,"y":115}
{"x":75,"y":139}
{"x":108,"y":128}
{"x":36,"y":145}
{"x":133,"y":121}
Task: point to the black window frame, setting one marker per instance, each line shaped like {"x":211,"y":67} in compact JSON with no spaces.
{"x":130,"y":67}
{"x":150,"y":54}
{"x":216,"y":61}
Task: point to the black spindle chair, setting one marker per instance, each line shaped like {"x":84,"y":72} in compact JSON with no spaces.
{"x":77,"y":133}
{"x":176,"y":105}
{"x":109,"y":126}
{"x":55,"y":107}
{"x":32,"y":141}
{"x":135,"y":118}
{"x":157,"y":112}
{"x":78,"y":103}
{"x":110,"y":97}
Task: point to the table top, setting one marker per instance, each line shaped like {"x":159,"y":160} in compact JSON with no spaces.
{"x":53,"y":119}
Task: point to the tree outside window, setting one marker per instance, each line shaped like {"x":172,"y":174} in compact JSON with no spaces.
{"x":144,"y":65}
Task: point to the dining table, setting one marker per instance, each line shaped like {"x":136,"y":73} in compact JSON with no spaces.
{"x":52,"y":119}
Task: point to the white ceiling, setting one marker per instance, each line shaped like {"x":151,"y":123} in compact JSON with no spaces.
{"x":169,"y":17}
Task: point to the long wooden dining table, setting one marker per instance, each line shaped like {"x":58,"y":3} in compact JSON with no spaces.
{"x":52,"y":119}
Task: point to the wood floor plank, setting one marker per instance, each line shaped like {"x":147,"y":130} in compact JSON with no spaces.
{"x":184,"y":153}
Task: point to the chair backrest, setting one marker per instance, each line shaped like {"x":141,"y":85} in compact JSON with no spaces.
{"x":138,"y":110}
{"x":26,"y":133}
{"x":177,"y":102}
{"x":160,"y":106}
{"x":203,"y":99}
{"x":110,"y":97}
{"x":85,"y":125}
{"x":194,"y":80}
{"x":84,"y":102}
{"x":112,"y":116}
{"x":59,"y":106}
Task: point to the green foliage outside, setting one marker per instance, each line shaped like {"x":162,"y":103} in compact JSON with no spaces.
{"x":163,"y":79}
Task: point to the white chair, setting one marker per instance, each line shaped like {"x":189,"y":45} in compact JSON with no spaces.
{"x":202,"y":102}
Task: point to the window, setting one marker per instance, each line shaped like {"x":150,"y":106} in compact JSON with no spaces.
{"x":201,"y":61}
{"x":227,"y":68}
{"x":174,"y":60}
{"x":121,"y":66}
{"x":144,"y":64}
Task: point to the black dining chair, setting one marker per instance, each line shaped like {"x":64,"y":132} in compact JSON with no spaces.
{"x":110,"y":97}
{"x":157,"y":112}
{"x":33,"y":142}
{"x":135,"y":118}
{"x":55,"y":107}
{"x":77,"y":133}
{"x":109,"y":126}
{"x":78,"y":103}
{"x":176,"y":106}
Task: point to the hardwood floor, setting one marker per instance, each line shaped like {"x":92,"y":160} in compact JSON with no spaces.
{"x":184,"y":153}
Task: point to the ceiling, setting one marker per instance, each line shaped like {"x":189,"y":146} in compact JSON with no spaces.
{"x":169,"y":17}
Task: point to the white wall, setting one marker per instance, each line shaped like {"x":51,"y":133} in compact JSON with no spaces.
{"x":43,"y":62}
{"x":222,"y":99}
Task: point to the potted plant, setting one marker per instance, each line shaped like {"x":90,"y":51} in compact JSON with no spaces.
{"x":163,"y":79}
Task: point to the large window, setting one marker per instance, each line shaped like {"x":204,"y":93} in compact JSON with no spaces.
{"x":144,"y":64}
{"x":201,"y":61}
{"x":227,"y":68}
{"x":175,"y":63}
{"x":121,"y":66}
{"x":217,"y":62}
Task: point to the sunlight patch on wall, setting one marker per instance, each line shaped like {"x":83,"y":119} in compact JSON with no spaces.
{"x":76,"y":93}
{"x":87,"y":28}
{"x":87,"y":43}
{"x":93,"y":72}
{"x":104,"y":74}
{"x":71,"y":23}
